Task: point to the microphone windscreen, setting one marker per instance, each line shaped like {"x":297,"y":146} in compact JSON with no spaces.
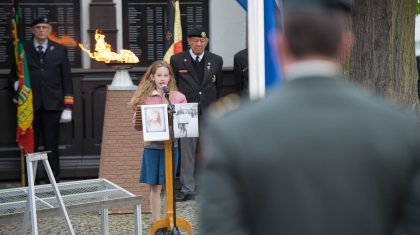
{"x":165,"y":89}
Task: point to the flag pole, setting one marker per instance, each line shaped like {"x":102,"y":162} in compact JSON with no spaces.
{"x":22,"y":167}
{"x":24,"y":130}
{"x":256,"y":49}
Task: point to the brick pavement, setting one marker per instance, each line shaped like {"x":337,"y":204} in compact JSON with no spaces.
{"x":90,"y":223}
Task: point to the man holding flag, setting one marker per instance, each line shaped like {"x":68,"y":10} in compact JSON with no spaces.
{"x":41,"y":77}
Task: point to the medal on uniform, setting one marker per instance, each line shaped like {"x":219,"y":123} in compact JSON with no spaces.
{"x":213,"y":78}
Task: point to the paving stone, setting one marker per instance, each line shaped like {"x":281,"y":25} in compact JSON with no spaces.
{"x":90,"y":223}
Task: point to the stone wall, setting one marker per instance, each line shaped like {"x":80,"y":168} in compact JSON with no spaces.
{"x":122,"y":148}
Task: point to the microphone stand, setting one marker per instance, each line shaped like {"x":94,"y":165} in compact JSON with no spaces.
{"x":171,"y":111}
{"x":170,"y":221}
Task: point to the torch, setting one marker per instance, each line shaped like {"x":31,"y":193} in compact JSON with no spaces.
{"x":121,"y":62}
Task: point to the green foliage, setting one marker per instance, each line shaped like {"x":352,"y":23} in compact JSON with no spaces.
{"x":418,"y":7}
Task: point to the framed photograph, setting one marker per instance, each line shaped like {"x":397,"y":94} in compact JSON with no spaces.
{"x":155,"y":122}
{"x":186,"y":120}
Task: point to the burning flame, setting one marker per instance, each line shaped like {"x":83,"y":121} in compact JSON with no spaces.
{"x":103,"y":52}
{"x":64,"y":40}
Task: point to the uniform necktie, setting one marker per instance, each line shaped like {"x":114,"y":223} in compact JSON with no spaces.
{"x":197,"y":59}
{"x":40,"y":52}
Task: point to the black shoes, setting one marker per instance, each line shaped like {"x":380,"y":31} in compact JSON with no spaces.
{"x":182,"y":197}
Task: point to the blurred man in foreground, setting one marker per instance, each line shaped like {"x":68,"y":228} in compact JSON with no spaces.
{"x":240,"y":70}
{"x":317,"y":156}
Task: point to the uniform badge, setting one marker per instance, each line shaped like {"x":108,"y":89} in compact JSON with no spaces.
{"x":203,"y":34}
{"x":168,"y":35}
{"x":52,"y":48}
{"x":213,"y":78}
{"x":208,"y":66}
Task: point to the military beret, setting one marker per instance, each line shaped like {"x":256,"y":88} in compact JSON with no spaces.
{"x":198,"y":32}
{"x":40,"y":20}
{"x":344,"y":5}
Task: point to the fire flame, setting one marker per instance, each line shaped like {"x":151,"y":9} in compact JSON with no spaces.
{"x":64,"y":40}
{"x":103,"y":51}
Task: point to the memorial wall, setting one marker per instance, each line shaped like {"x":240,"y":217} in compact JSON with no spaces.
{"x":144,"y":25}
{"x":63,"y":15}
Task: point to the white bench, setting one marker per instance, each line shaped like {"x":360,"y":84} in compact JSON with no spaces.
{"x":78,"y":196}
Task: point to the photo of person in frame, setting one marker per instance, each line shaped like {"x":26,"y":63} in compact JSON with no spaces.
{"x":154,"y":120}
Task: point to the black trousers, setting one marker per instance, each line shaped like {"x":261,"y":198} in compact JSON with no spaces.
{"x":46,"y":126}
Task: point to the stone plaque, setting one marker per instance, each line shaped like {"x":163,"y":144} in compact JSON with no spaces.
{"x":63,"y":15}
{"x":144,"y":25}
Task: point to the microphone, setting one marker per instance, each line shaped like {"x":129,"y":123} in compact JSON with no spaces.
{"x":165,"y":89}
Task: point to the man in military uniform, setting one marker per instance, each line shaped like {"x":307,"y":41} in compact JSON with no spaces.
{"x":52,"y":88}
{"x":240,"y":69}
{"x":317,"y":156}
{"x":198,"y":74}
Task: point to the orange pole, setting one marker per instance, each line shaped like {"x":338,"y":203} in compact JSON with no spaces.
{"x":168,"y":220}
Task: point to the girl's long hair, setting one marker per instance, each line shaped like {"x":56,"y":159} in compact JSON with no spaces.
{"x":147,"y":84}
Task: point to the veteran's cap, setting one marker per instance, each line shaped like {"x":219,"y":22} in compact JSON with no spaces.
{"x":198,"y":32}
{"x":344,"y":5}
{"x":39,"y":20}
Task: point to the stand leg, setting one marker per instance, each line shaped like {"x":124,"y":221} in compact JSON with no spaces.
{"x":162,"y":223}
{"x":25,"y":218}
{"x":31,"y":166}
{"x":181,"y":223}
{"x":58,"y":196}
{"x":31,"y":195}
{"x":137,"y":220}
{"x":104,"y":218}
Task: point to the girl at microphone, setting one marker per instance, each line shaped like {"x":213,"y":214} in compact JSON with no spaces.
{"x":158,"y":78}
